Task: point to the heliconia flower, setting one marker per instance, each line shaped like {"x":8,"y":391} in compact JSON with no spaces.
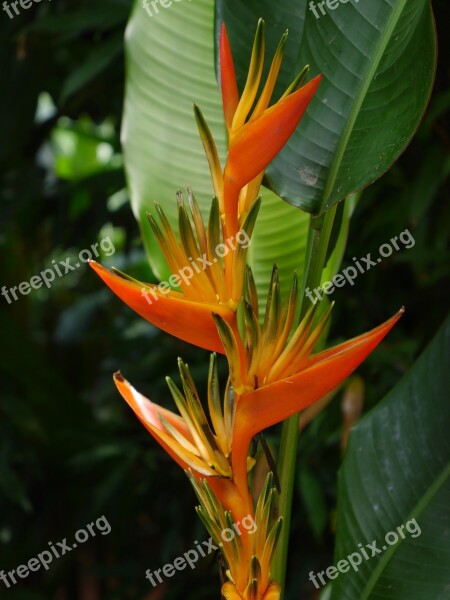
{"x":188,"y":438}
{"x":255,"y":136}
{"x":279,"y":375}
{"x":248,"y":555}
{"x":273,"y":375}
{"x":196,"y":446}
{"x":202,"y":283}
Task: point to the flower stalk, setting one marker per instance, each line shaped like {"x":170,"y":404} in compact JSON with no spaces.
{"x":316,"y":252}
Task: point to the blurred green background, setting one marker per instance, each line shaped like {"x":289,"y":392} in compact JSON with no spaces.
{"x":70,"y":449}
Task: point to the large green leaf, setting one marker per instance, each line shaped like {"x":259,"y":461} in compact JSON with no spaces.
{"x":378,"y":61}
{"x":170,"y":65}
{"x":280,"y":236}
{"x":397,"y":469}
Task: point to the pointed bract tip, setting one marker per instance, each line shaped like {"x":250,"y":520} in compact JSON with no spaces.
{"x":96,"y":266}
{"x":197,"y":112}
{"x":283,"y":39}
{"x":119,"y":377}
{"x":259,"y":35}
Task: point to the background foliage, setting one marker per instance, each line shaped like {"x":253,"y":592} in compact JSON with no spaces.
{"x":70,"y":450}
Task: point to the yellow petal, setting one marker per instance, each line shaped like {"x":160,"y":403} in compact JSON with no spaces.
{"x":273,"y":592}
{"x":269,"y":86}
{"x":212,"y":155}
{"x":229,"y":591}
{"x":253,"y":78}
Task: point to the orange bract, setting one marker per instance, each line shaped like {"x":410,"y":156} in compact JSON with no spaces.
{"x":172,"y":312}
{"x":256,"y":143}
{"x":273,"y":372}
{"x":256,"y":133}
{"x":228,"y":84}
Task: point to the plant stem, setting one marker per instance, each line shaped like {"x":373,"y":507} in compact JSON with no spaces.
{"x":318,"y":240}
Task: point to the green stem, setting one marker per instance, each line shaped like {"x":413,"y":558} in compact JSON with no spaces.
{"x":318,"y":241}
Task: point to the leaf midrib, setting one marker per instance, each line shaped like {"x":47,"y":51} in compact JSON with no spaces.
{"x":363,"y":90}
{"x":417,"y":510}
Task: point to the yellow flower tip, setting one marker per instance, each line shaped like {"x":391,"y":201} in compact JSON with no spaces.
{"x":269,"y":86}
{"x":298,"y":82}
{"x":211,"y":153}
{"x":233,"y":304}
{"x":253,"y":78}
{"x":230,"y":592}
{"x":273,"y":592}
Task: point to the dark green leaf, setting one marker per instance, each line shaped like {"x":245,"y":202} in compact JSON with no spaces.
{"x":378,"y":61}
{"x":314,"y":501}
{"x":99,"y":59}
{"x":396,"y":472}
